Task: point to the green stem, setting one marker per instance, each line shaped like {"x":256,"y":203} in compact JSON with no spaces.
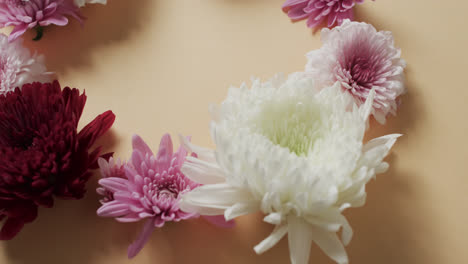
{"x":39,"y":33}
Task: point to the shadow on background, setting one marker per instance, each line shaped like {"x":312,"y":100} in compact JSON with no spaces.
{"x":386,"y":228}
{"x":73,"y":46}
{"x":70,"y":232}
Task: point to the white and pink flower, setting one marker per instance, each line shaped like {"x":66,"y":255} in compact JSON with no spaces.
{"x":18,"y":66}
{"x":360,"y":58}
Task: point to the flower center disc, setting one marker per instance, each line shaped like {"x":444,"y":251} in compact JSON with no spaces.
{"x":290,"y":124}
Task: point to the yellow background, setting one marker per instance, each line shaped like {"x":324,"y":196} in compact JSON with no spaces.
{"x":159,"y":63}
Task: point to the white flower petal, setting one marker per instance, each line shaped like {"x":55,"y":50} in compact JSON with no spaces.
{"x":366,"y":108}
{"x":347,"y":232}
{"x":242,"y":208}
{"x":277,"y":234}
{"x":330,"y":244}
{"x":202,"y":153}
{"x":299,"y":239}
{"x":377,"y":149}
{"x":213,"y":199}
{"x":81,"y":3}
{"x":202,"y":172}
{"x":274,"y":218}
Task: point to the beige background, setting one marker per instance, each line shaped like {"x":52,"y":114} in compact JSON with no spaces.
{"x":159,"y":63}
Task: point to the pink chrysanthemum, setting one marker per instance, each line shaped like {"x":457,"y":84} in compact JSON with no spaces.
{"x":361,"y":59}
{"x":18,"y":66}
{"x":318,"y":11}
{"x":112,"y":168}
{"x":27,"y":14}
{"x":147,"y":186}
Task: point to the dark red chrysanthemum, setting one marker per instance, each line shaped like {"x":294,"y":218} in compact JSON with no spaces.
{"x":42,"y":154}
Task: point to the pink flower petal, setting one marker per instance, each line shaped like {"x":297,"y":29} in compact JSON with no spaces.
{"x":290,"y":3}
{"x":181,"y":154}
{"x":142,"y":239}
{"x":164,"y":157}
{"x":58,"y":20}
{"x":113,"y":209}
{"x":114,"y":184}
{"x":129,"y":218}
{"x":17,"y":31}
{"x":139,"y":144}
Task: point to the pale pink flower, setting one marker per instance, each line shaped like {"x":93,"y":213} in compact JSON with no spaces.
{"x":147,"y":186}
{"x":360,"y":58}
{"x":317,"y":11}
{"x":112,"y":168}
{"x":18,"y":66}
{"x":28,"y":14}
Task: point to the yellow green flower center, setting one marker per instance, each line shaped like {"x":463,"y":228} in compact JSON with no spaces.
{"x":290,"y":124}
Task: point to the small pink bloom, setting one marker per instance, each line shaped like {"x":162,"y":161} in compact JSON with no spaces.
{"x":147,"y":186}
{"x":112,"y":168}
{"x":318,"y":11}
{"x":28,"y":14}
{"x":360,"y":58}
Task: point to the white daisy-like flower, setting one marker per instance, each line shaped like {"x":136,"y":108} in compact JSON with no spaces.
{"x":292,"y":152}
{"x":81,"y":3}
{"x":360,"y":58}
{"x":18,"y":66}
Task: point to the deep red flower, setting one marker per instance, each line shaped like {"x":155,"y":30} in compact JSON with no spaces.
{"x":42,"y":154}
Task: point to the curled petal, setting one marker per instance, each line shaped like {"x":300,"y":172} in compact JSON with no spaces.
{"x":273,"y":239}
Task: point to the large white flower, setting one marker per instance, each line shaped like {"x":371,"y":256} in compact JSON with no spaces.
{"x":81,"y":3}
{"x":18,"y":66}
{"x":292,"y":152}
{"x":360,"y":58}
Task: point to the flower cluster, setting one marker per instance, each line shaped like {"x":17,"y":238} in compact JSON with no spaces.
{"x":292,"y":147}
{"x":42,"y":154}
{"x":147,"y":186}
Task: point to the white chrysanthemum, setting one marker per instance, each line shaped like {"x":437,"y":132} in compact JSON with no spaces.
{"x":18,"y":66}
{"x":81,"y":3}
{"x":360,"y":58}
{"x":292,"y":152}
